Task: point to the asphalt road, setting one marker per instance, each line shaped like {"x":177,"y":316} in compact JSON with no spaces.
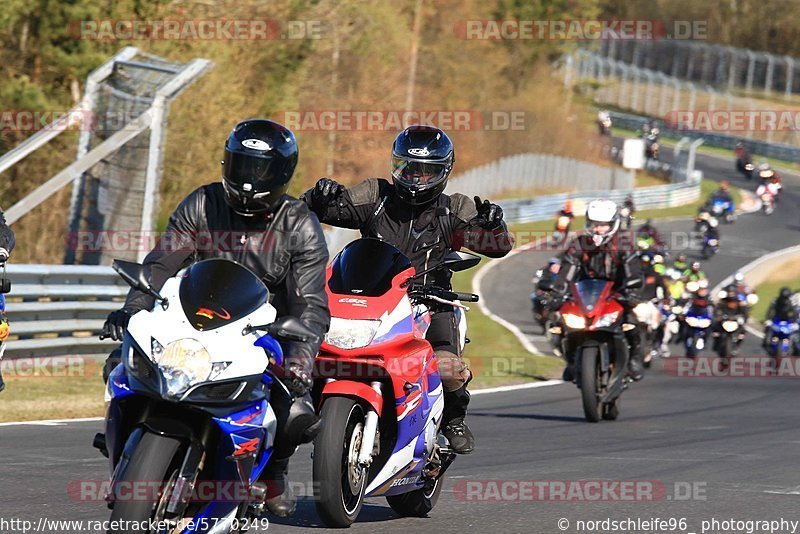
{"x":707,"y":448}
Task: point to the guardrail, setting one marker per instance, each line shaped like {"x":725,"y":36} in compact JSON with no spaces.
{"x":545,"y":207}
{"x":60,"y":309}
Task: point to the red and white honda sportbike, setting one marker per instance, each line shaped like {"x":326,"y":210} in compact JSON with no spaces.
{"x":378,"y":384}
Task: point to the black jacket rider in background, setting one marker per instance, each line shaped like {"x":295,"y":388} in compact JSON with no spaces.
{"x":601,"y":253}
{"x":413,"y":214}
{"x":6,"y":245}
{"x":780,"y":309}
{"x":248,"y":218}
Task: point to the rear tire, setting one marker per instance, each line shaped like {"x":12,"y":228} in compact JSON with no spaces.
{"x":151,"y":461}
{"x":417,"y":503}
{"x":589,"y":387}
{"x":338,"y":489}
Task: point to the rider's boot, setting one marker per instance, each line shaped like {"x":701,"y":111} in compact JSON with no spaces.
{"x":454,"y":427}
{"x":280,"y":500}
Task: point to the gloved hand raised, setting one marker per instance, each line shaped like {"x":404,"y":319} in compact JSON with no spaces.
{"x":326,"y":190}
{"x":490,"y":215}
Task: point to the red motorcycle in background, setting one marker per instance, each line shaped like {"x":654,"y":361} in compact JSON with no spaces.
{"x":594,"y":326}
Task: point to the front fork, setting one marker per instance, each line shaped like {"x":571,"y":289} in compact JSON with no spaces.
{"x":370,"y":432}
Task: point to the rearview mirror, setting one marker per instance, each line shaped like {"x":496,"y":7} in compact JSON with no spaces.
{"x":290,"y":328}
{"x":461,"y":261}
{"x":136,"y":275}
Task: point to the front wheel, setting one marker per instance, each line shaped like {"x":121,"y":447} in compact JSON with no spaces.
{"x":151,"y":461}
{"x":339,"y":480}
{"x":417,"y":503}
{"x":590,"y":378}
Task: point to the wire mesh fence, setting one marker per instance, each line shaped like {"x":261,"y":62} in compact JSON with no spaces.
{"x":724,"y":67}
{"x":680,"y":103}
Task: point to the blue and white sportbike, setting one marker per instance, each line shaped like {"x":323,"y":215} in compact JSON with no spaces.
{"x":189,"y":427}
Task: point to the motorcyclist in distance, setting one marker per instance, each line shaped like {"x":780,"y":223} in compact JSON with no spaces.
{"x":780,"y":309}
{"x":413,"y":213}
{"x":600,"y":253}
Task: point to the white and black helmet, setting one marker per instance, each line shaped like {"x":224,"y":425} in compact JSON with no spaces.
{"x":599,"y":214}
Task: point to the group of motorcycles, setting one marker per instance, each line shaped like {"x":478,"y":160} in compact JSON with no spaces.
{"x":190,"y":403}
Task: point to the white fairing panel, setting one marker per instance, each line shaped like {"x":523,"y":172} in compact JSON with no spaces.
{"x":225,"y":344}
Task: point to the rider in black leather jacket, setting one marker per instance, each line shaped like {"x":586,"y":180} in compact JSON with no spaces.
{"x":250,"y":219}
{"x":412,"y":213}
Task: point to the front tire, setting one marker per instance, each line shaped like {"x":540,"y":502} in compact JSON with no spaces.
{"x":417,"y":503}
{"x":151,"y":461}
{"x":589,"y":384}
{"x":339,"y":482}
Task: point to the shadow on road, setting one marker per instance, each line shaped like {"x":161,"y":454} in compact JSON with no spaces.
{"x":306,"y":515}
{"x":540,"y":417}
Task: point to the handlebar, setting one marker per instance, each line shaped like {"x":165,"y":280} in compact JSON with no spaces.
{"x":434,"y":293}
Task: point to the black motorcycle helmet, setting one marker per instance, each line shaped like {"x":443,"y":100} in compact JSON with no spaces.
{"x":422,"y":159}
{"x":260,"y":157}
{"x":785,"y":293}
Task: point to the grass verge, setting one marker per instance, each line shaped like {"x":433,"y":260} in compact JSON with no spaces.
{"x":47,"y":392}
{"x":784,"y":276}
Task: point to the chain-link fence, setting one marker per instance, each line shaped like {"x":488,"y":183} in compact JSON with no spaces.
{"x":619,"y":84}
{"x":724,"y":67}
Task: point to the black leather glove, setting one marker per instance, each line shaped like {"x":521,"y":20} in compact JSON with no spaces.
{"x":489,"y":215}
{"x":298,"y":380}
{"x":325,"y":191}
{"x":117,"y":323}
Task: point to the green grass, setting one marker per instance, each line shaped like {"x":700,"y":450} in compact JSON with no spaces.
{"x":495,"y":356}
{"x":74,"y":391}
{"x":768,"y":291}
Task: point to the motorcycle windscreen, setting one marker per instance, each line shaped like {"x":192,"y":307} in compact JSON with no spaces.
{"x":217,"y":291}
{"x":366,"y":267}
{"x":589,"y":292}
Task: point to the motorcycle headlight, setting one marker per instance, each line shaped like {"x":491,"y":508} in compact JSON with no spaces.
{"x":677,"y":310}
{"x":713,"y":242}
{"x":730,"y":326}
{"x":606,"y":320}
{"x":698,"y":322}
{"x":574,"y":321}
{"x":351,"y":333}
{"x":692,"y":286}
{"x":182,"y":363}
{"x":752,"y":299}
